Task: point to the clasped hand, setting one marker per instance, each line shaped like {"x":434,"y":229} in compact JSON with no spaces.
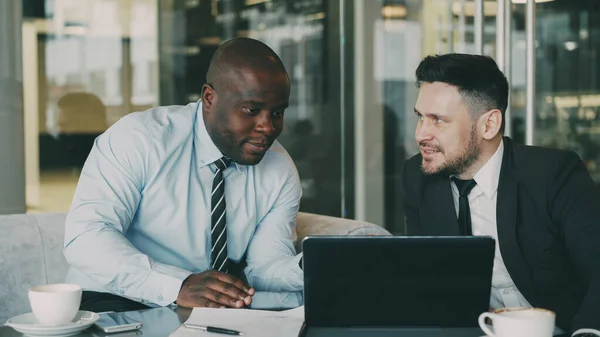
{"x":214,"y":289}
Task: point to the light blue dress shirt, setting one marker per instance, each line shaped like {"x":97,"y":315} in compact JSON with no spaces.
{"x":140,"y":221}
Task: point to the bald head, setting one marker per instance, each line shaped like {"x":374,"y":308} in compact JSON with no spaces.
{"x":240,"y":54}
{"x":244,"y":99}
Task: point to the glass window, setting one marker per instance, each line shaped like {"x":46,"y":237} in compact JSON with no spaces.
{"x":350,"y":124}
{"x":96,"y":62}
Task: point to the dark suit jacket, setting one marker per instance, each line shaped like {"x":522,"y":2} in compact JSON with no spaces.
{"x":548,"y":219}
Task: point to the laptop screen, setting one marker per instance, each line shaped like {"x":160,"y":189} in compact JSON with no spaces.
{"x":356,"y":281}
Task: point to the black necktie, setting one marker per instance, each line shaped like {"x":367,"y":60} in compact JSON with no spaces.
{"x":218,"y":234}
{"x":464,"y":212}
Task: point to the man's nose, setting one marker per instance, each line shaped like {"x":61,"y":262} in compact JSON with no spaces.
{"x":264,"y":123}
{"x":424,"y":131}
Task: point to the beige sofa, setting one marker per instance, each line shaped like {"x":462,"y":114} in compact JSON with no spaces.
{"x":31,"y":251}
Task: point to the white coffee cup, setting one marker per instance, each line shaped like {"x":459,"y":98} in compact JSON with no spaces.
{"x":519,"y":322}
{"x":55,"y":304}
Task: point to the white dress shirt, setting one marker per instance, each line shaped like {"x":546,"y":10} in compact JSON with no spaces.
{"x":140,"y":221}
{"x":482,"y":204}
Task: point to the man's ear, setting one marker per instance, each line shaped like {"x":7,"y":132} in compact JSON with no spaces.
{"x":492,"y":123}
{"x":209,"y":97}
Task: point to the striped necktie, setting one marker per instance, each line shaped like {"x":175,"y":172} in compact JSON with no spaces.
{"x":218,"y":228}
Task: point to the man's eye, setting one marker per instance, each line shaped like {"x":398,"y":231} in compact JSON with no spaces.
{"x":251,"y":111}
{"x":438,"y":121}
{"x":278,"y":113}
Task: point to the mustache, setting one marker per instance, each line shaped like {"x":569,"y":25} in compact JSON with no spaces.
{"x":433,"y":146}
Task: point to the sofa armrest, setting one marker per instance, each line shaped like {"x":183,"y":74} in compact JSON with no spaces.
{"x":315,"y":224}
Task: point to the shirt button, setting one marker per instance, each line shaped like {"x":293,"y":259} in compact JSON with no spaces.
{"x":160,"y":298}
{"x":121,"y":292}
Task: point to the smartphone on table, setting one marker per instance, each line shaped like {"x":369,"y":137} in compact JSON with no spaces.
{"x":111,"y":322}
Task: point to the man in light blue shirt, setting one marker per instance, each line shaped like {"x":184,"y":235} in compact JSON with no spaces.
{"x":142,"y":229}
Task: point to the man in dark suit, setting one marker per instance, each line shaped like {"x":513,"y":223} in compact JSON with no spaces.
{"x":540,"y":204}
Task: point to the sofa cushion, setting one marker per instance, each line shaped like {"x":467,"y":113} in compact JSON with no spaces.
{"x":314,"y":224}
{"x":30,"y":254}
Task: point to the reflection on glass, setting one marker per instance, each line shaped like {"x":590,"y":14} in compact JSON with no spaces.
{"x":81,"y":118}
{"x":568,"y":79}
{"x":97,"y":62}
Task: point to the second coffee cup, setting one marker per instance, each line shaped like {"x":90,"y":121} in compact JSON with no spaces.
{"x":519,"y":322}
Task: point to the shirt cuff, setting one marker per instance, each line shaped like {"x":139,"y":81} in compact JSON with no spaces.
{"x":167,"y":281}
{"x":586,"y":331}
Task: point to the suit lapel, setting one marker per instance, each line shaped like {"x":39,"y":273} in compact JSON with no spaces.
{"x":438,"y":208}
{"x":506,"y":217}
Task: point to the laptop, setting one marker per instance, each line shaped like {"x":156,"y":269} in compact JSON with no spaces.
{"x":381,"y":286}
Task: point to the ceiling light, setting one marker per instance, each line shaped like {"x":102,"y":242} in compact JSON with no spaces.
{"x":255,"y":2}
{"x":315,"y":16}
{"x":393,"y":11}
{"x":571,"y":45}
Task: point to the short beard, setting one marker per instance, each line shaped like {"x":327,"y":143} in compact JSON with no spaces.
{"x":458,"y":165}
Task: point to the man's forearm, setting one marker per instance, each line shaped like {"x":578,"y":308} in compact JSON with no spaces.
{"x":276,"y":300}
{"x":112,"y":262}
{"x":281,"y":275}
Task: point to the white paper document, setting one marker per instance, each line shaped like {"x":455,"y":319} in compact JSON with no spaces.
{"x":252,"y":323}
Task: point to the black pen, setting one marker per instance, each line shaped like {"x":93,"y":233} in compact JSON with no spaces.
{"x":213,"y":329}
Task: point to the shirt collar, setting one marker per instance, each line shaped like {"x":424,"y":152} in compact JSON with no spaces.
{"x":488,"y":175}
{"x":206,"y":150}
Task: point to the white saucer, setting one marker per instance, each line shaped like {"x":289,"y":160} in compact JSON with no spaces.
{"x":27,"y":324}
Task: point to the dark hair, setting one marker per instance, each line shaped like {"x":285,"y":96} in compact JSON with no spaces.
{"x":478,"y":80}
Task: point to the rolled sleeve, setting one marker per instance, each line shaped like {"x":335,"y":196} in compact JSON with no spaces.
{"x":167,"y":281}
{"x":104,"y":204}
{"x":272,"y":260}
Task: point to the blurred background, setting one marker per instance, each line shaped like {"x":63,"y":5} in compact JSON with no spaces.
{"x":70,"y":68}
